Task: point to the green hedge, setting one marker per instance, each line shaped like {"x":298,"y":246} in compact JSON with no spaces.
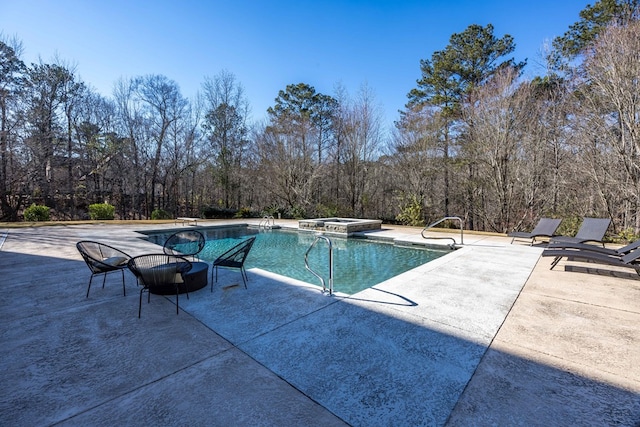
{"x":99,"y":211}
{"x":160,"y":214}
{"x":37,"y":213}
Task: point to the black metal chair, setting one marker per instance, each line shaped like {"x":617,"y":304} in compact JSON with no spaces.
{"x":185,"y":243}
{"x":157,"y":271}
{"x":103,"y":259}
{"x":234,"y":258}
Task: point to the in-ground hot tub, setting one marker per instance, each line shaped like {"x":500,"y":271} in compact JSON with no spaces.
{"x":339,"y":225}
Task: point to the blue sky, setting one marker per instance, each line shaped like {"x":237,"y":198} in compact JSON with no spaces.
{"x":270,"y":44}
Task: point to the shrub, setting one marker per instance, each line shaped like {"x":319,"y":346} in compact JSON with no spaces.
{"x":160,"y":214}
{"x":217,"y":212}
{"x":296,"y":212}
{"x":569,"y":225}
{"x":272,"y":210}
{"x":324,"y":211}
{"x":37,"y":213}
{"x":411,"y":213}
{"x":627,"y":235}
{"x":243,"y":213}
{"x":99,"y":211}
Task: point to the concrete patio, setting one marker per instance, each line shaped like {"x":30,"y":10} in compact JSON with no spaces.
{"x":486,"y":335}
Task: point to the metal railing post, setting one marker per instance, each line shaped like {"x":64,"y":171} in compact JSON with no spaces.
{"x":441,"y":220}
{"x":306,"y":263}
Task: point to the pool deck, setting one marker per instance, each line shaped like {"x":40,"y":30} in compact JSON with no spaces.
{"x":486,"y":335}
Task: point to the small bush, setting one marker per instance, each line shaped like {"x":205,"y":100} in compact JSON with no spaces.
{"x":272,"y":210}
{"x":217,"y":212}
{"x":569,"y":225}
{"x":324,"y":211}
{"x":627,"y":235}
{"x":160,"y":214}
{"x":411,"y":213}
{"x":100,"y":211}
{"x":296,"y":212}
{"x":243,"y":213}
{"x":37,"y":213}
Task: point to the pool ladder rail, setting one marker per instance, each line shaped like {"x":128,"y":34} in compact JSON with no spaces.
{"x":306,"y":263}
{"x":446,"y":218}
{"x":267,"y":221}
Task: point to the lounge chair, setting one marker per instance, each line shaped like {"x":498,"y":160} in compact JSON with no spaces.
{"x":591,"y":230}
{"x":546,"y":228}
{"x":234,"y":258}
{"x":628,"y":260}
{"x":159,"y":271}
{"x":103,"y":259}
{"x":592,"y":248}
{"x":595,"y":248}
{"x":185,"y":243}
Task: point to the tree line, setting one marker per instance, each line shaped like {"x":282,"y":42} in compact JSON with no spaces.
{"x":475,"y":139}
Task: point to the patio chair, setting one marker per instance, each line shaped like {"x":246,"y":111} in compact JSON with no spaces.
{"x":593,"y":248}
{"x":628,"y":260}
{"x":546,"y":227}
{"x":159,"y":271}
{"x":234,"y":258}
{"x":185,"y":243}
{"x":591,"y":230}
{"x":103,"y":259}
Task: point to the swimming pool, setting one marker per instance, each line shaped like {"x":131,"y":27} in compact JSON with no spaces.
{"x":358,"y":263}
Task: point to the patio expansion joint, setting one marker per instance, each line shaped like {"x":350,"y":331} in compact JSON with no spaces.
{"x":238,"y":347}
{"x":3,"y":237}
{"x":281,"y":377}
{"x":279,"y":326}
{"x":489,"y":346}
{"x":144,"y":385}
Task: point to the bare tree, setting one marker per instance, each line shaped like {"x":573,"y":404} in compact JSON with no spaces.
{"x":130,"y":125}
{"x":610,"y":98}
{"x":12,"y":71}
{"x":72,"y":92}
{"x":226,"y":128}
{"x":497,"y":115}
{"x":46,"y":86}
{"x":362,"y":145}
{"x":185,"y":153}
{"x":162,"y":106}
{"x":419,"y":152}
{"x":292,"y":146}
{"x":546,"y":171}
{"x":98,"y":152}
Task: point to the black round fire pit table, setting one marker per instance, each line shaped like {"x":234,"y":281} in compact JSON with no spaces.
{"x":194,"y":279}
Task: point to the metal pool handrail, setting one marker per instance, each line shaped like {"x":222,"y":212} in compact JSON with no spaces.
{"x":267,"y":221}
{"x":306,"y":263}
{"x":441,"y":220}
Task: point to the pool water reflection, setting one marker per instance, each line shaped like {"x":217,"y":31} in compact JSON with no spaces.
{"x":358,"y":263}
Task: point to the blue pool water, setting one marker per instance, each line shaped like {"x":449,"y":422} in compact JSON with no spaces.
{"x":358,"y":263}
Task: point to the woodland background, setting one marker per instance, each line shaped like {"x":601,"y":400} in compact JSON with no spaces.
{"x":475,"y":139}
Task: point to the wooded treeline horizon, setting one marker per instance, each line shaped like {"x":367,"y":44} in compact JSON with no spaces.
{"x":475,"y":139}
